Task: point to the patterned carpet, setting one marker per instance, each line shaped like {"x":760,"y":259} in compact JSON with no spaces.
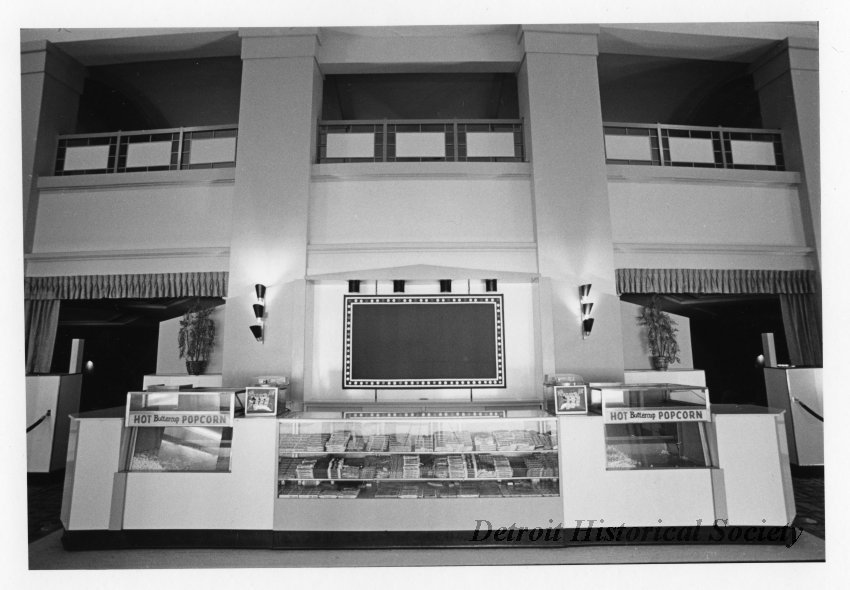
{"x":809,"y":497}
{"x":44,"y":501}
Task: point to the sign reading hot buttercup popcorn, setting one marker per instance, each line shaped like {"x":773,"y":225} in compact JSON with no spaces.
{"x":179,"y":408}
{"x":654,"y":402}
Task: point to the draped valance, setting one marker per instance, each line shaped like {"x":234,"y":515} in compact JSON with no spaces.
{"x":128,"y":286}
{"x":699,"y":280}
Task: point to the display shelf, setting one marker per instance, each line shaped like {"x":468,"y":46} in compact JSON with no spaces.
{"x":451,"y":456}
{"x":410,"y":489}
{"x":655,"y":426}
{"x":381,"y":453}
{"x":416,"y":479}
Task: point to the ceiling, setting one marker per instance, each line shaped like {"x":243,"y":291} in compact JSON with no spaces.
{"x":740,"y":42}
{"x":697,"y":306}
{"x":127,"y":312}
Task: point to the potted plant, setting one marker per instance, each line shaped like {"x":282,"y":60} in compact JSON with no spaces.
{"x":660,"y":335}
{"x":195,"y":338}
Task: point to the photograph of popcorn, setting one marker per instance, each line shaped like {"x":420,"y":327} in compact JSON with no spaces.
{"x":261,"y":401}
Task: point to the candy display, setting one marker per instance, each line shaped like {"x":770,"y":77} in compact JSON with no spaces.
{"x":416,"y":460}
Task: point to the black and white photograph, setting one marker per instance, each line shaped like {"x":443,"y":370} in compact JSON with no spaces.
{"x":570,"y":399}
{"x":261,"y":401}
{"x":528,"y":294}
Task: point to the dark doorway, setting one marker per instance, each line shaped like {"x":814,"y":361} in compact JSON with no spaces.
{"x":121,"y":338}
{"x":726,"y":340}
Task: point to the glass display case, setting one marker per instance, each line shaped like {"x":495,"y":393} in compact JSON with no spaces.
{"x":180,"y":431}
{"x":418,"y":457}
{"x":655,"y":426}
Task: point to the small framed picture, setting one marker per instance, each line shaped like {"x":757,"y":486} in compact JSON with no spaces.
{"x":570,"y":399}
{"x":261,"y":401}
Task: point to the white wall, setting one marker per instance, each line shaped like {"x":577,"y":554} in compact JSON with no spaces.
{"x":635,"y":350}
{"x":191,"y":209}
{"x":393,"y":209}
{"x":705,"y":212}
{"x":168,"y":360}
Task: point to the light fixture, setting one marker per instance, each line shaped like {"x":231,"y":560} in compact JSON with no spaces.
{"x":398,"y":286}
{"x":353,"y":286}
{"x":259,"y":312}
{"x":491,"y":285}
{"x":445,"y":285}
{"x":586,"y":309}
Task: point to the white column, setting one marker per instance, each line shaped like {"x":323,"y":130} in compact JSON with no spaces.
{"x":51,"y":84}
{"x":280,"y":102}
{"x":560,"y":102}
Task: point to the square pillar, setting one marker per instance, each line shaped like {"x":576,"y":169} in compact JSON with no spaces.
{"x":51,"y":85}
{"x":560,"y":102}
{"x":280,"y":105}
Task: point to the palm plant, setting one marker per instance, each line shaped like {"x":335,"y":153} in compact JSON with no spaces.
{"x":195,"y":338}
{"x":660,"y":334}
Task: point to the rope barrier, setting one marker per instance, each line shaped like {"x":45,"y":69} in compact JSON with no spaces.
{"x":39,"y":421}
{"x":808,"y":409}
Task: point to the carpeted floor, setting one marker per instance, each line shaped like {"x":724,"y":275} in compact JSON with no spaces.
{"x":809,"y":498}
{"x":44,"y":502}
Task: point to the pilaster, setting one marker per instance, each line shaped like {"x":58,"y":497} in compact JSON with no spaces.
{"x":51,"y":85}
{"x":280,"y":103}
{"x":560,"y":102}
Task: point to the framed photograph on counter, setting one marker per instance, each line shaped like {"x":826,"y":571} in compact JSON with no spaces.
{"x":261,"y":401}
{"x":570,"y":399}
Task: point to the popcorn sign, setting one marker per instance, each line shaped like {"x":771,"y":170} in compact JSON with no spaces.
{"x":629,"y":416}
{"x":160,"y":419}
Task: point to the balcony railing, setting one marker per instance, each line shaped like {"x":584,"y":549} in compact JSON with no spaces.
{"x":428,"y":140}
{"x":695,"y":147}
{"x":184,"y":148}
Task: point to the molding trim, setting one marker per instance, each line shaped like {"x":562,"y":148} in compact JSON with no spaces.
{"x":683,"y":248}
{"x":203,"y":177}
{"x":222,"y":252}
{"x":674,"y":174}
{"x":420,"y":170}
{"x":560,"y":39}
{"x":420,"y":247}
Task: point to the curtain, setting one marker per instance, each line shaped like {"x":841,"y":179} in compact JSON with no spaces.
{"x":802,"y":329}
{"x":43,"y":294}
{"x":42,"y":319}
{"x":134,"y":286}
{"x":706,"y":280}
{"x":797,"y":291}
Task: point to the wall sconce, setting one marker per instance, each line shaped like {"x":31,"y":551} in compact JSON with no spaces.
{"x":586,"y":309}
{"x":259,"y":312}
{"x":445,"y":285}
{"x":398,"y":286}
{"x":353,"y":286}
{"x":491,"y":285}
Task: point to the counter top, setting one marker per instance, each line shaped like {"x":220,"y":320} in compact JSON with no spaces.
{"x":742,"y":409}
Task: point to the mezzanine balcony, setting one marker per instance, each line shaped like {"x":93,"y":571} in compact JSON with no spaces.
{"x":427,"y":140}
{"x":183,"y":148}
{"x":694,"y":147}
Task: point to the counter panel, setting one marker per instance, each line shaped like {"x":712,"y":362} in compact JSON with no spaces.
{"x":439,"y":514}
{"x":651,"y":497}
{"x":242,"y":499}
